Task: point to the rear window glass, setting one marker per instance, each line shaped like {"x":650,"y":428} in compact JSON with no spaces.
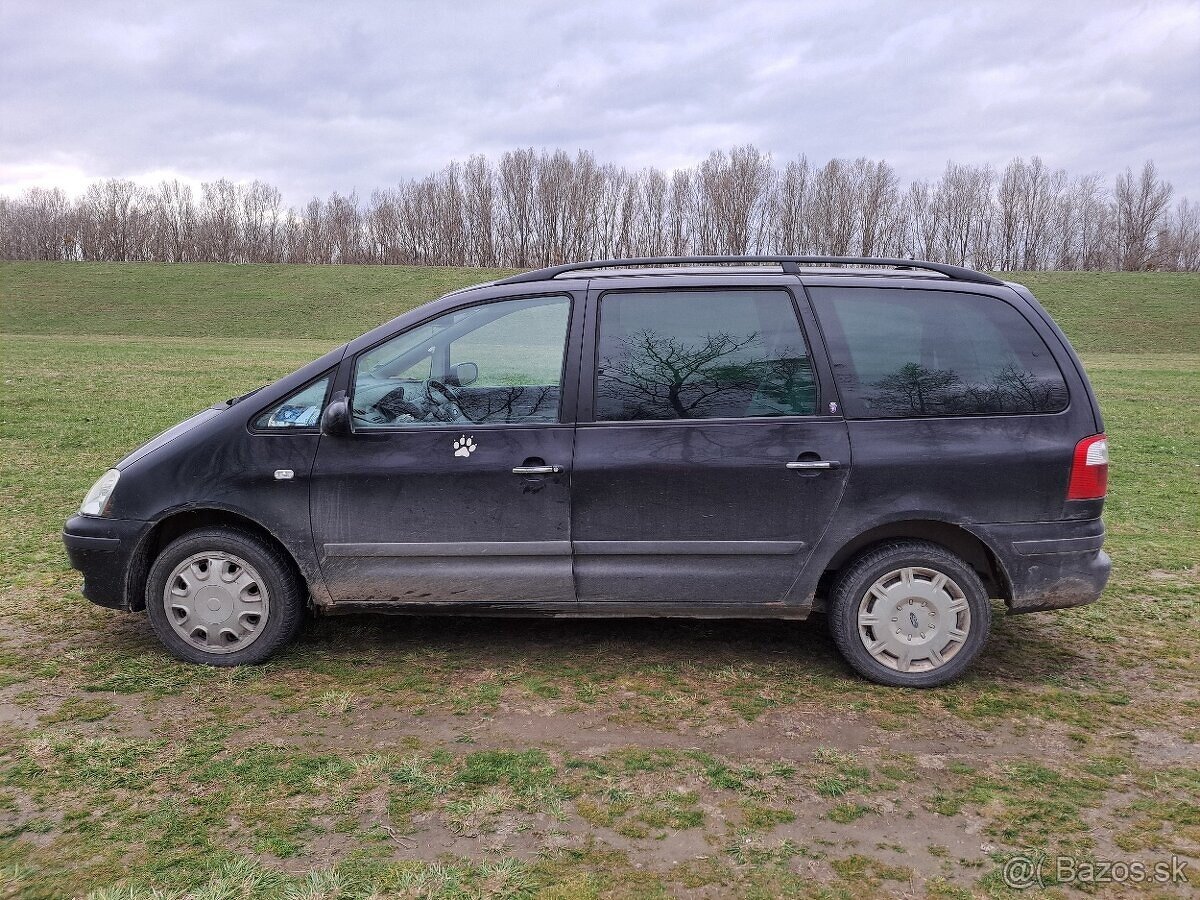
{"x":901,"y":353}
{"x":701,"y":355}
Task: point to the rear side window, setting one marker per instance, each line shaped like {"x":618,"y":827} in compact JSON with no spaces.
{"x":901,"y":353}
{"x":701,"y":355}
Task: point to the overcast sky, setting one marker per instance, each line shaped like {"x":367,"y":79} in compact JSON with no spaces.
{"x":317,"y":97}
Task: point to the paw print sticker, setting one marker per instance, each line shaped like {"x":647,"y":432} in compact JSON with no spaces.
{"x":464,"y":446}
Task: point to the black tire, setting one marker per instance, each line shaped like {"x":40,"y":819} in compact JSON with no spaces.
{"x":286,"y":597}
{"x":851,"y":588}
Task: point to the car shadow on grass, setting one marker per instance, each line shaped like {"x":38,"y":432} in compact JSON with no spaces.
{"x":628,"y":641}
{"x":742,"y":666}
{"x":1023,"y":651}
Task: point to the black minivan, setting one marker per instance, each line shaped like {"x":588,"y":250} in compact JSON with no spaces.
{"x":891,"y":442}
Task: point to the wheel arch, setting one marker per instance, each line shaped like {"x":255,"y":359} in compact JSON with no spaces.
{"x":181,"y":522}
{"x":955,"y":538}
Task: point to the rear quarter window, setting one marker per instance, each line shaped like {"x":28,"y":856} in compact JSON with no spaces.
{"x":299,"y":410}
{"x":904,"y":353}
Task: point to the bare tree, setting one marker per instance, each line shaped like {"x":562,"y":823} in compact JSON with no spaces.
{"x":789,"y":208}
{"x":311,"y":242}
{"x":925,"y":224}
{"x":1041,"y":199}
{"x":1181,"y":240}
{"x":262,"y":208}
{"x":650,"y":234}
{"x":1141,"y":203}
{"x":681,"y":213}
{"x":383,"y":228}
{"x":516,"y":179}
{"x":878,"y":205}
{"x":12,"y":230}
{"x":480,"y":199}
{"x":732,"y":192}
{"x":583,"y":198}
{"x":1093,"y":225}
{"x":176,"y":221}
{"x":116,"y":213}
{"x":539,"y":207}
{"x":1009,"y":210}
{"x":343,"y":229}
{"x":220,"y":222}
{"x":834,"y":211}
{"x":45,"y":226}
{"x":964,"y":209}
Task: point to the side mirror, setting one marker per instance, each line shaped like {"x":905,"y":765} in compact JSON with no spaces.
{"x":335,"y":420}
{"x":463,"y":374}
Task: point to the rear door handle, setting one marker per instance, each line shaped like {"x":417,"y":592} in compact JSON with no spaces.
{"x":537,"y":470}
{"x":814,"y":464}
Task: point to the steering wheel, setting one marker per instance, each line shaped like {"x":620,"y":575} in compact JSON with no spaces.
{"x":447,"y":402}
{"x":393,"y":404}
{"x":441,"y":393}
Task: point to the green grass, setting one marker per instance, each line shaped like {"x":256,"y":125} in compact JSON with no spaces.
{"x":462,"y":758}
{"x":1121,"y":312}
{"x":211,"y":301}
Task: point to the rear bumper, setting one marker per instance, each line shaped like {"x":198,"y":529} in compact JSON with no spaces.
{"x":103,"y":549}
{"x":1050,"y":565}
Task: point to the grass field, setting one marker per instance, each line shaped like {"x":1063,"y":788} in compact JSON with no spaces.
{"x":559,"y":759}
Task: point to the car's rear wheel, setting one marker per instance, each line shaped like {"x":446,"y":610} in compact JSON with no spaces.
{"x":909,"y":614}
{"x":223,"y":597}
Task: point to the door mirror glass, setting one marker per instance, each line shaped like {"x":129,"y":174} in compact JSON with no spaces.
{"x":335,"y":420}
{"x":463,"y":374}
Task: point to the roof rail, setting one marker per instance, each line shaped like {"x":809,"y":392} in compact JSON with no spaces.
{"x":789,"y":264}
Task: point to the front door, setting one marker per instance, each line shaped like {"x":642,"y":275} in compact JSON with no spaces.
{"x":714,"y":458}
{"x":454,"y":486}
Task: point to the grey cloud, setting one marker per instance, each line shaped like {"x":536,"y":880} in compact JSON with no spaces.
{"x":316,"y":97}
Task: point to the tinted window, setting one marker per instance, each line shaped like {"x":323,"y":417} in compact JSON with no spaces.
{"x":701,"y":355}
{"x":905,"y":353}
{"x":499,"y":362}
{"x":301,"y":410}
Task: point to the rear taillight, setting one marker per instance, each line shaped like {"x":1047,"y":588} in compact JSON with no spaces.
{"x":1089,"y":469}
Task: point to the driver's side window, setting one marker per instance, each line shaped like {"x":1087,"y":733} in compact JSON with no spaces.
{"x":500,"y":362}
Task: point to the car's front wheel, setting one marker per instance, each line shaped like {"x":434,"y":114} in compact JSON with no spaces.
{"x":223,"y":597}
{"x":909,"y":614}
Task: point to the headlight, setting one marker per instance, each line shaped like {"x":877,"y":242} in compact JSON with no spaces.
{"x":96,"y":501}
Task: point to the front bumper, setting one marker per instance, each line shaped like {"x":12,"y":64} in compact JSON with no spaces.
{"x":1050,"y":565}
{"x":103,"y":550}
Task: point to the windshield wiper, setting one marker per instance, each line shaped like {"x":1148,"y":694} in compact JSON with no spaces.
{"x":241,"y":397}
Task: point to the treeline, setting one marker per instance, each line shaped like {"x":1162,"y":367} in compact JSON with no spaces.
{"x":540,"y":208}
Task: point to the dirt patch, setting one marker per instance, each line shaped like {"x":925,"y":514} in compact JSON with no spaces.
{"x":1161,"y":747}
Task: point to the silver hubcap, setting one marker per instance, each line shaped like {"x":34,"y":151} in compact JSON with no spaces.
{"x":216,"y":602}
{"x":914,"y":619}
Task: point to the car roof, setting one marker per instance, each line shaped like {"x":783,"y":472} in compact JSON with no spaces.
{"x":633,"y":272}
{"x":876,"y":267}
{"x":708,"y":271}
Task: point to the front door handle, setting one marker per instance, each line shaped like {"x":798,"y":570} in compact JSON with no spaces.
{"x":814,"y":464}
{"x":537,"y":470}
